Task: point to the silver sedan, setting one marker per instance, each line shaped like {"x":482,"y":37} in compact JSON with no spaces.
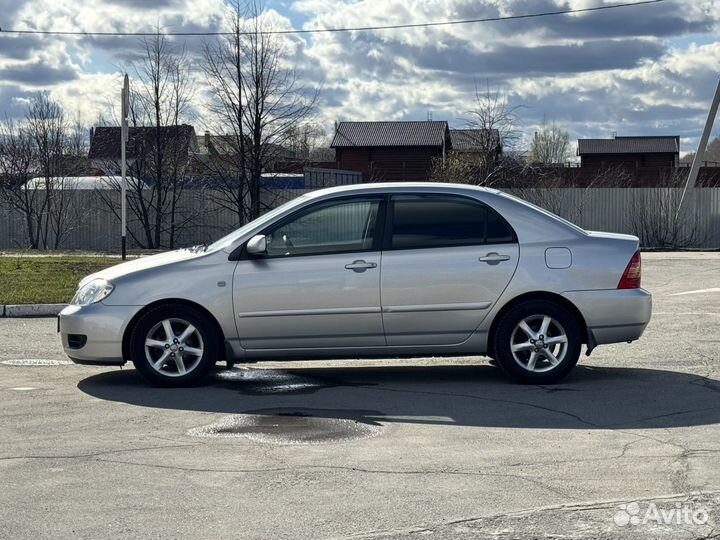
{"x":375,"y":270}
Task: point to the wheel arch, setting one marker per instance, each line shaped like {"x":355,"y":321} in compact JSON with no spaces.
{"x":167,"y":301}
{"x":536,"y":295}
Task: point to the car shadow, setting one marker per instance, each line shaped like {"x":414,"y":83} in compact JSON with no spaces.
{"x":590,"y":398}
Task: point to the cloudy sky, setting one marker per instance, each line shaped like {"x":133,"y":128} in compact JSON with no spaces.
{"x":647,"y":70}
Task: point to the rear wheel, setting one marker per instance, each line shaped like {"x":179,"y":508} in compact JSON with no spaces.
{"x":174,"y":345}
{"x":538,"y":342}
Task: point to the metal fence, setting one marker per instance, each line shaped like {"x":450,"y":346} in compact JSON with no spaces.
{"x":649,"y":213}
{"x":645,"y":212}
{"x":91,"y":219}
{"x":316,"y":177}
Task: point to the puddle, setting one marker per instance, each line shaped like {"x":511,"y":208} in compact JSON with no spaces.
{"x":290,"y":427}
{"x":270,"y":381}
{"x":35,"y":362}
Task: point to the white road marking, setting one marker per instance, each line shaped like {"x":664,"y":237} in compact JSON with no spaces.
{"x":35,"y":362}
{"x":698,"y":291}
{"x":686,"y":313}
{"x":23,"y":388}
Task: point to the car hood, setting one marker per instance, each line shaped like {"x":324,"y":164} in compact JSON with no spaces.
{"x":143,"y":263}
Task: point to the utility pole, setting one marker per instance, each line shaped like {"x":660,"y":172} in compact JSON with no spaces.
{"x":125,"y":98}
{"x":700,"y":154}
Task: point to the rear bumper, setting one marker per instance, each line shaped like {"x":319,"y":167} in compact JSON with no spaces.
{"x":103,"y":326}
{"x":614,"y":315}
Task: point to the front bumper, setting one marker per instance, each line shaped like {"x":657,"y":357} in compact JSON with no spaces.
{"x":103,"y":327}
{"x":614,"y":315}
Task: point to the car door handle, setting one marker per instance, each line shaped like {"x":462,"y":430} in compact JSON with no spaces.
{"x":494,"y":258}
{"x":360,"y":266}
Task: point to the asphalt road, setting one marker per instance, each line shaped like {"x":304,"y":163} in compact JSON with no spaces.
{"x":440,"y":448}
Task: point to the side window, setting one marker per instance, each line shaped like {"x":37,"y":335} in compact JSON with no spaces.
{"x":498,"y":232}
{"x":436,"y":221}
{"x":333,"y":227}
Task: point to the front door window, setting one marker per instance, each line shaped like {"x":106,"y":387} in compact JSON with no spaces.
{"x":334,"y":227}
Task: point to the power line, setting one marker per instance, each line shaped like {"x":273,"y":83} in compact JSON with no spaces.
{"x":332,"y":30}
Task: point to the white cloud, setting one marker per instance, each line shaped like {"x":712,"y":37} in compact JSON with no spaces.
{"x":626,"y":70}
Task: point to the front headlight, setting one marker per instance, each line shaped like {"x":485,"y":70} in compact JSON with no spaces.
{"x":92,"y":292}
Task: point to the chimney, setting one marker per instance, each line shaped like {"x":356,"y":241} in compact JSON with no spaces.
{"x":207,"y":139}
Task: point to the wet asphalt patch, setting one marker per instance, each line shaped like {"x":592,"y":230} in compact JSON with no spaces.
{"x":259,"y":382}
{"x":268,"y":381}
{"x":290,"y":427}
{"x":35,"y":362}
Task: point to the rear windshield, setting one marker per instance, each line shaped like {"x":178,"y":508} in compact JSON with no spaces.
{"x":543,"y":211}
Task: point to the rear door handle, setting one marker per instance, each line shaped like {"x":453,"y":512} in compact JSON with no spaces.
{"x":360,"y":266}
{"x":494,"y":258}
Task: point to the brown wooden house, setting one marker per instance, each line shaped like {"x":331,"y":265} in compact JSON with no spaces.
{"x":177,"y":143}
{"x":630,"y":152}
{"x":390,"y":151}
{"x":478,"y":143}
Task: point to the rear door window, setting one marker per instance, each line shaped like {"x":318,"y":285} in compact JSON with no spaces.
{"x":427,"y":221}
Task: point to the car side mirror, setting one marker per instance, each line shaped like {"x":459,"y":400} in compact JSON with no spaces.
{"x":257,"y":245}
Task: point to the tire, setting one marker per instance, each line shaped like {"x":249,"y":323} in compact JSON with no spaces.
{"x":184,"y":358}
{"x":520,"y":342}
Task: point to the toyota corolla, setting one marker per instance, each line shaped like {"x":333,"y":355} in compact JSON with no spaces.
{"x":375,"y":270}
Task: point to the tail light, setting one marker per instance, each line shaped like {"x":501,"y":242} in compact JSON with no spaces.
{"x":631,"y":276}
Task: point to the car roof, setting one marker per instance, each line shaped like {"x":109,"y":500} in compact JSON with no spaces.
{"x":399,"y":187}
{"x":510,"y":207}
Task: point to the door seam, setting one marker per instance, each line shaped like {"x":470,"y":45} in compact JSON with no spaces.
{"x":382,"y":314}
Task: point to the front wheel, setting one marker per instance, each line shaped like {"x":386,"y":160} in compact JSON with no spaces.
{"x":174,"y":345}
{"x":538,"y":342}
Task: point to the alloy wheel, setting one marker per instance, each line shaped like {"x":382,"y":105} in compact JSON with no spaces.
{"x":174,"y":347}
{"x":539,"y":343}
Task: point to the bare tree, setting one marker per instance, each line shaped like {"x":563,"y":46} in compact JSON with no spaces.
{"x":181,"y":96}
{"x":306,"y":140}
{"x":48,"y":130}
{"x":497,"y":123}
{"x":163,"y":95}
{"x":550,"y":145}
{"x":223,"y":66}
{"x":712,"y":154}
{"x":322,"y":152}
{"x":256,"y":97}
{"x":160,"y":97}
{"x":17,"y":168}
{"x":460,"y":168}
{"x":713,"y":151}
{"x":492,"y":126}
{"x":77,"y":141}
{"x":655,"y":220}
{"x":36,"y":160}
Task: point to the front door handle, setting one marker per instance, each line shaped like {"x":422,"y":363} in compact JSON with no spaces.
{"x":360,"y":266}
{"x":494,"y":258}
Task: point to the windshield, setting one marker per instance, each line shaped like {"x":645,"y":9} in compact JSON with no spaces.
{"x":230,"y":239}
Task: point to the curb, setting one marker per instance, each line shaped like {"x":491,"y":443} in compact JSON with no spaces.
{"x":31,"y":310}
